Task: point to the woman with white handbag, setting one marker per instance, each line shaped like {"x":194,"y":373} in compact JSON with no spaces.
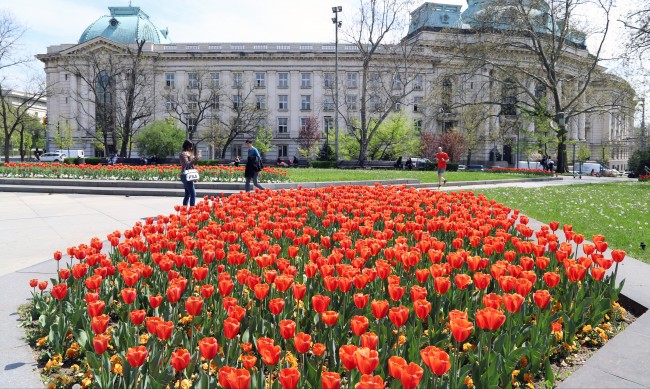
{"x":188,"y":173}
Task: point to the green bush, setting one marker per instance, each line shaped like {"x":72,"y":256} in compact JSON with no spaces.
{"x":323,"y":164}
{"x":638,"y":160}
{"x":94,"y":160}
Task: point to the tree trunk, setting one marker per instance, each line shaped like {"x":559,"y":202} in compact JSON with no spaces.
{"x":562,"y":165}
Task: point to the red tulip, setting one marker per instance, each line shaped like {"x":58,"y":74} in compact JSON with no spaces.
{"x":513,"y":302}
{"x":542,"y":297}
{"x":207,"y":291}
{"x":64,"y":274}
{"x":276,"y":306}
{"x":436,"y":359}
{"x":136,"y":356}
{"x":164,"y":329}
{"x":302,"y":342}
{"x":299,"y":291}
{"x":230,"y":327}
{"x":346,"y":355}
{"x":618,"y":255}
{"x":261,"y":291}
{"x":320,"y":303}
{"x":180,"y":359}
{"x":395,"y":365}
{"x":287,"y":329}
{"x":330,"y":317}
{"x":598,"y":273}
{"x":59,"y":291}
{"x":490,"y":319}
{"x":248,"y":361}
{"x":318,"y":349}
{"x":481,"y":280}
{"x":137,"y":316}
{"x":289,"y":378}
{"x":208,"y":348}
{"x":270,"y":353}
{"x":330,"y":380}
{"x":361,"y":300}
{"x":411,"y":375}
{"x":379,"y":308}
{"x":398,"y":315}
{"x":33,"y":282}
{"x":100,"y":343}
{"x":238,"y":379}
{"x":492,"y":300}
{"x":576,"y":272}
{"x":225,"y":287}
{"x":422,"y":308}
{"x":441,"y":284}
{"x":396,"y":292}
{"x":359,"y":325}
{"x":460,"y":328}
{"x":370,"y":382}
{"x":155,"y":301}
{"x":99,"y":324}
{"x":174,"y":294}
{"x":366,"y":360}
{"x":551,"y":279}
{"x":223,"y":374}
{"x":193,"y":305}
{"x":462,"y":280}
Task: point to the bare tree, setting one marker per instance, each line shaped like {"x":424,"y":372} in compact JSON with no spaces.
{"x":15,"y":112}
{"x":386,"y":69}
{"x":637,"y":21}
{"x":194,"y":103}
{"x":538,"y":63}
{"x":10,"y":34}
{"x":118,"y":82}
{"x":242,"y":113}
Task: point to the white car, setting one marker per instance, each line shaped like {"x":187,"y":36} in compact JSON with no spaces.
{"x":53,"y":157}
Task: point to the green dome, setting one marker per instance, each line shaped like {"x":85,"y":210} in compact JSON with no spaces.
{"x":125,"y":25}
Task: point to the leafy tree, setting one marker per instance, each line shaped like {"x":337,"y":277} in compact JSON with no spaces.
{"x":14,"y":112}
{"x":326,"y":153}
{"x":159,"y":139}
{"x":63,"y":136}
{"x":392,"y":138}
{"x":639,"y":161}
{"x":263,"y":140}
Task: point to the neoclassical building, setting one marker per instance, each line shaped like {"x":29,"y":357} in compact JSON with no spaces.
{"x":209,"y":87}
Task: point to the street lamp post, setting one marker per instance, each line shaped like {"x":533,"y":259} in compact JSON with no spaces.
{"x":337,"y":25}
{"x":643,"y":123}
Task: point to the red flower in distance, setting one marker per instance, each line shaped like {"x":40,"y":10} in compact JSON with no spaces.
{"x":379,"y":308}
{"x":330,"y":317}
{"x":287,"y":329}
{"x":513,"y":302}
{"x":370,"y":382}
{"x":542,"y":298}
{"x":276,"y":306}
{"x":359,"y":325}
{"x":422,"y":308}
{"x":100,"y":343}
{"x":411,"y":375}
{"x":346,"y":355}
{"x":99,"y":324}
{"x":395,"y":365}
{"x":194,"y":305}
{"x":129,"y":295}
{"x":320,"y":303}
{"x":370,"y":340}
{"x":230,"y":327}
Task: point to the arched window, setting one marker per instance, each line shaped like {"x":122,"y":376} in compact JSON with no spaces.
{"x":509,"y":98}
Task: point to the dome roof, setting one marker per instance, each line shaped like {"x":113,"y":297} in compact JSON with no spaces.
{"x":125,"y":25}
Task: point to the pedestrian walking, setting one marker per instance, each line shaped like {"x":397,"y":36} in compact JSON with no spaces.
{"x":442,"y":158}
{"x":187,"y":161}
{"x":253,"y":166}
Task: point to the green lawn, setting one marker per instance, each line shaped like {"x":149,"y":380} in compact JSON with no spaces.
{"x":620,"y":211}
{"x":319,"y":175}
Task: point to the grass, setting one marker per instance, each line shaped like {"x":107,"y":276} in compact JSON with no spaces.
{"x":319,"y":175}
{"x":620,"y":211}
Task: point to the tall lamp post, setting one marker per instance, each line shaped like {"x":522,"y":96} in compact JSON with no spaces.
{"x":337,"y":25}
{"x":643,"y":123}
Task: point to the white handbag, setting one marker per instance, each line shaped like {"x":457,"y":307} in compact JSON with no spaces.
{"x":191,"y":174}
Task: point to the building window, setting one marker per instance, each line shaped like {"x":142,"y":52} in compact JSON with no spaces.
{"x":170,"y":82}
{"x":193,"y":80}
{"x":236,"y":151}
{"x":417,"y":82}
{"x":304,"y":122}
{"x":283,"y":125}
{"x":191,"y":124}
{"x":192,"y":102}
{"x":237,"y":80}
{"x":260,"y":80}
{"x":352,"y":80}
{"x":283,"y":151}
{"x":328,"y":80}
{"x":447,"y":93}
{"x":215,"y":102}
{"x":283,"y":102}
{"x":509,"y":98}
{"x":305,"y":102}
{"x":397,"y":81}
{"x":374,"y":104}
{"x":170,"y":103}
{"x":328,"y":103}
{"x":417,"y":125}
{"x":215,"y":79}
{"x":283,"y":80}
{"x":65,"y":76}
{"x":66,"y":99}
{"x":417,"y":104}
{"x":373,"y":79}
{"x":305,"y":80}
{"x":260,"y":102}
{"x":351,"y":102}
{"x":237,"y":102}
{"x":397,"y":103}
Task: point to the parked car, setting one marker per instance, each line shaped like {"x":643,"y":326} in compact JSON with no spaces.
{"x":611,"y":173}
{"x":475,"y":168}
{"x":420,"y":163}
{"x":461,"y":167}
{"x":53,"y":157}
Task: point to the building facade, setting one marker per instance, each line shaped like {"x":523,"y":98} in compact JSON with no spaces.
{"x":208,"y":87}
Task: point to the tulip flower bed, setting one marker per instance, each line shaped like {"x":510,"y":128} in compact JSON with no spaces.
{"x":350,"y":287}
{"x":530,"y":172}
{"x":644,"y":178}
{"x":130,"y":172}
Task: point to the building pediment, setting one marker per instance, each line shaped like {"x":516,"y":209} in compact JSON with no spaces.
{"x":96,"y":44}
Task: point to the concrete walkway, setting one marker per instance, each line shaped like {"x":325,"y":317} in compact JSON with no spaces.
{"x":34,"y":225}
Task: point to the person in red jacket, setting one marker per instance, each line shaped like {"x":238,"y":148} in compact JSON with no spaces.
{"x":442,"y":158}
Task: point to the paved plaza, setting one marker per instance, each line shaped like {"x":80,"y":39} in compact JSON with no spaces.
{"x":34,"y":225}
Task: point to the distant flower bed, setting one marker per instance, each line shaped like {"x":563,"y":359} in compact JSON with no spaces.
{"x":130,"y":172}
{"x":644,"y":178}
{"x":532,"y":172}
{"x":339,"y":287}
